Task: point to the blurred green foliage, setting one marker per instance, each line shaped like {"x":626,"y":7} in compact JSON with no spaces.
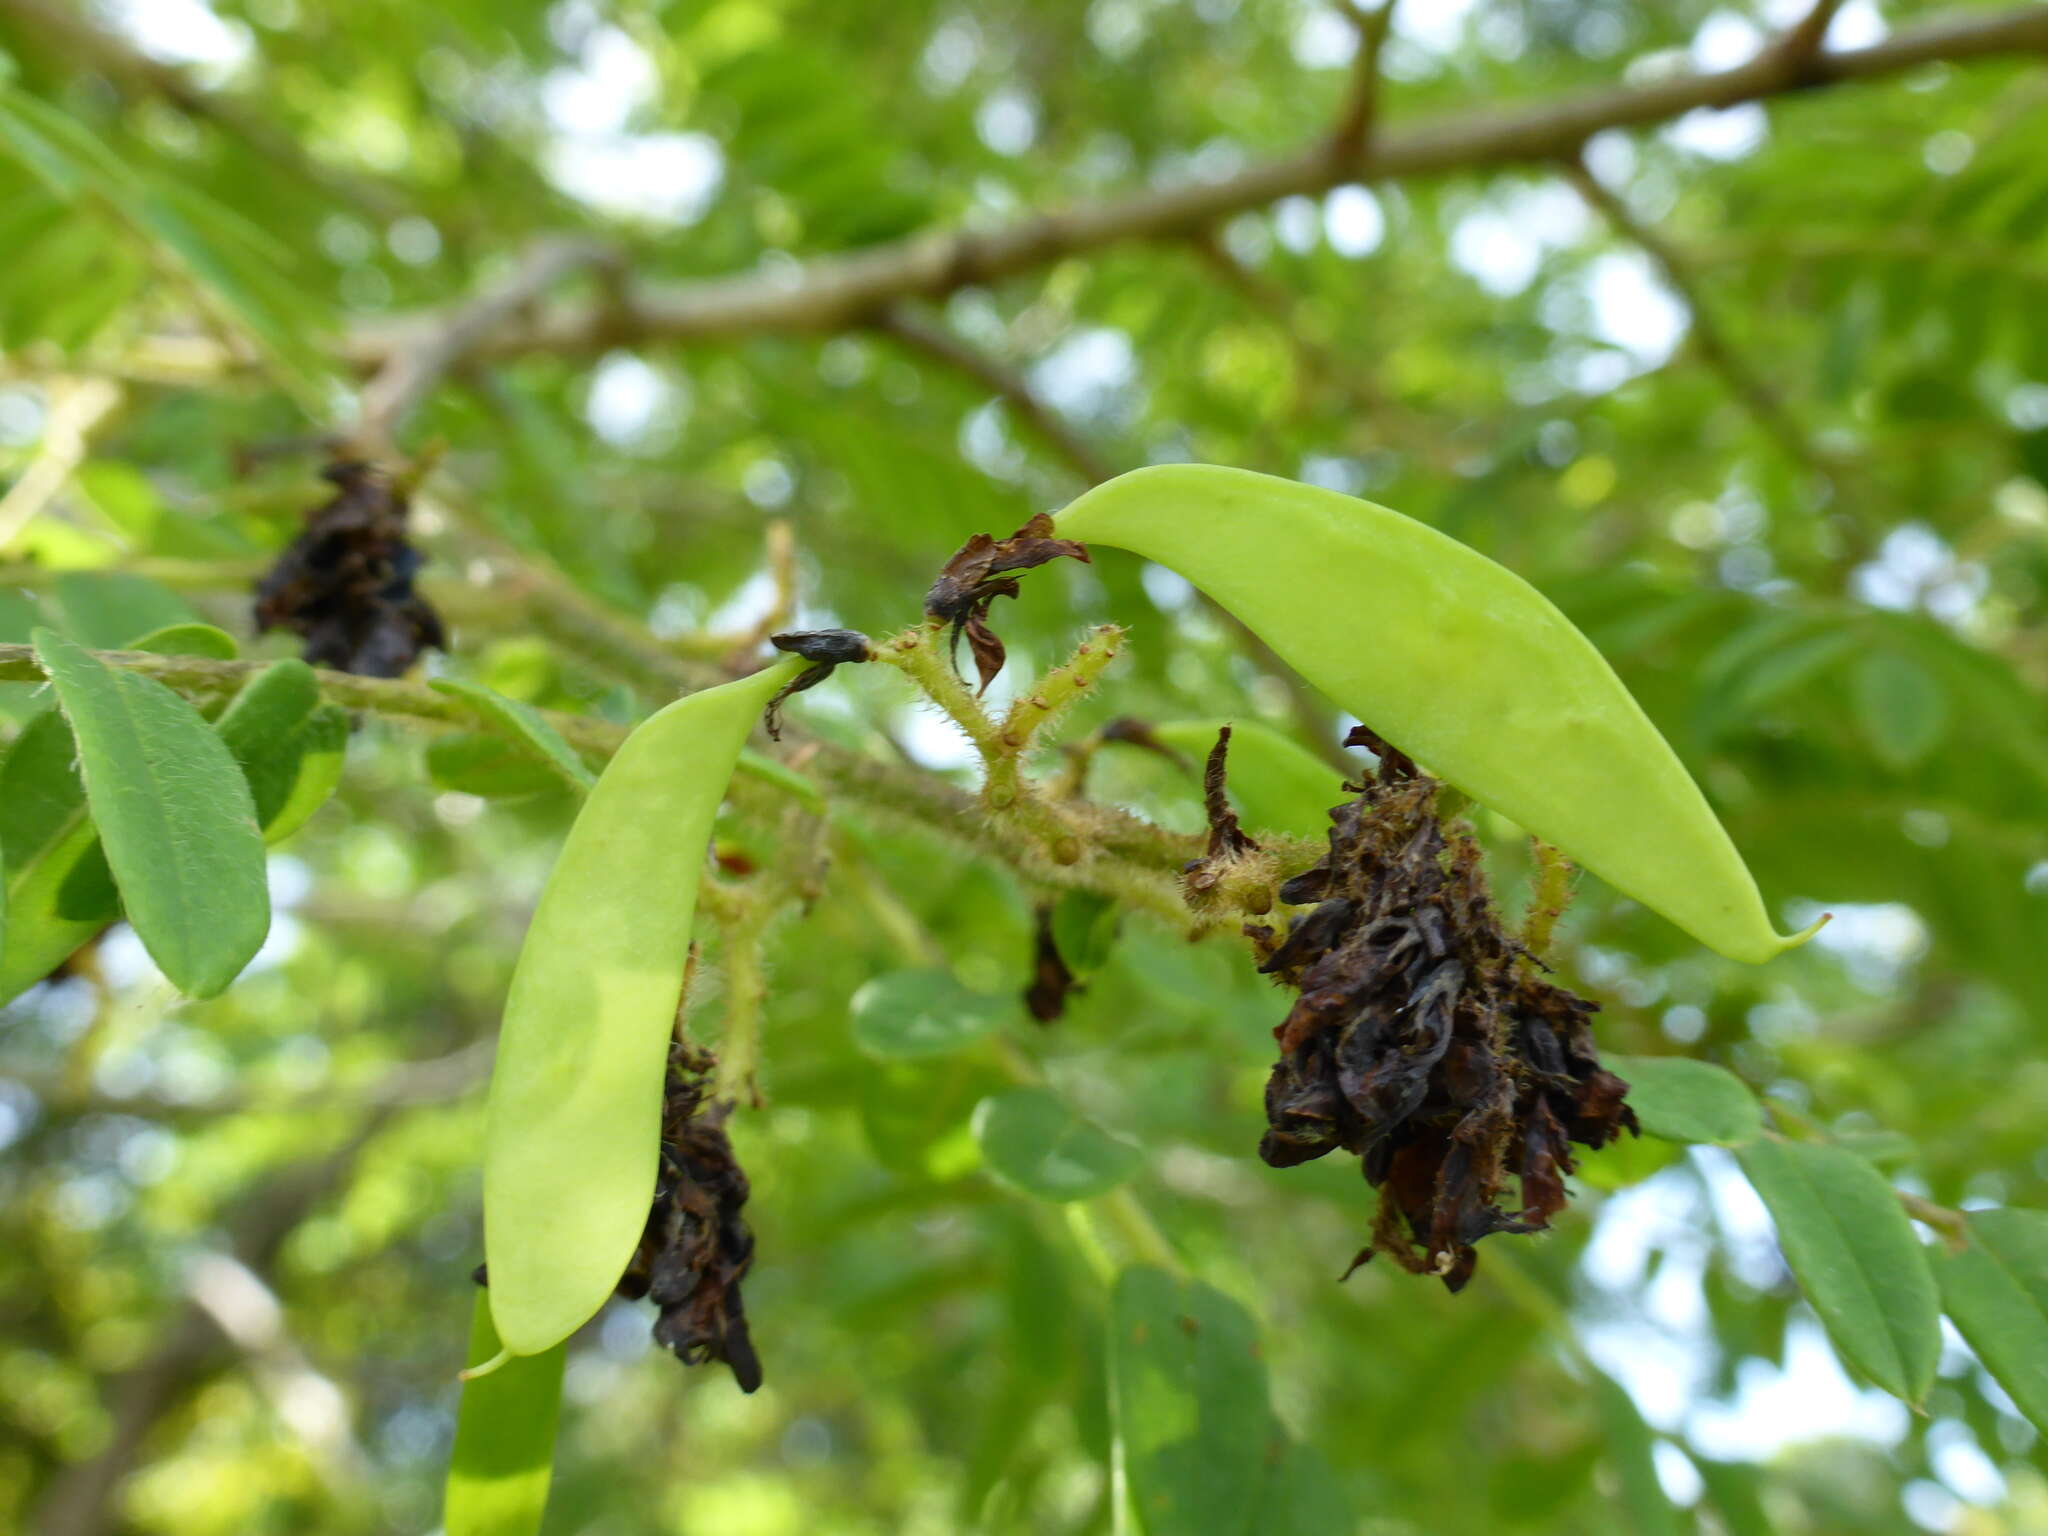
{"x":236,"y":1237}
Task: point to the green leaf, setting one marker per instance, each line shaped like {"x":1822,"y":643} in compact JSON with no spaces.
{"x":524,"y":725}
{"x":504,"y":1437}
{"x":1900,"y":706}
{"x":108,"y":609}
{"x":291,"y":748}
{"x":1084,"y":926}
{"x":174,"y":814}
{"x":784,"y":778}
{"x":922,"y":1013}
{"x":1854,"y":1253}
{"x":59,"y":890}
{"x":1189,"y":1395}
{"x":291,"y":783}
{"x":1033,"y":1142}
{"x":188,"y":640}
{"x":268,"y":708}
{"x":1734,"y":1488}
{"x":1631,"y":1453}
{"x":1680,"y":1099}
{"x":1996,"y":1292}
{"x":484,"y":764}
{"x":1302,"y":1496}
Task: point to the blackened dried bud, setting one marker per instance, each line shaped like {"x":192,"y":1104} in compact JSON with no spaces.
{"x":830,"y":646}
{"x":1420,"y":1041}
{"x":1052,"y":979}
{"x":828,"y":649}
{"x":345,"y":584}
{"x":697,"y":1246}
{"x":976,"y":576}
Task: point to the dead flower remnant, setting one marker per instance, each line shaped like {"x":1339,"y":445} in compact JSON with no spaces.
{"x":825,"y":649}
{"x":1424,"y":1040}
{"x":977,"y":575}
{"x":345,"y":584}
{"x":697,"y":1247}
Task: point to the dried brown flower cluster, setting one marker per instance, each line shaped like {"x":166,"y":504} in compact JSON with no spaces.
{"x":978,"y":574}
{"x":345,"y":583}
{"x":697,"y":1247}
{"x":1424,"y":1040}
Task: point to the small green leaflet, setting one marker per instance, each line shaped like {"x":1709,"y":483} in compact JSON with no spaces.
{"x":1202,"y":1453}
{"x":485,"y":764}
{"x":1900,"y":706}
{"x":188,"y":640}
{"x":1084,"y":927}
{"x":1855,"y":1255}
{"x":1631,"y":1451}
{"x":1033,"y":1142}
{"x":1680,"y":1099}
{"x":922,"y":1013}
{"x":1996,"y":1291}
{"x":504,"y":1438}
{"x":522,"y":723}
{"x":59,"y":891}
{"x":1734,"y":1488}
{"x":174,"y":815}
{"x":289,"y":745}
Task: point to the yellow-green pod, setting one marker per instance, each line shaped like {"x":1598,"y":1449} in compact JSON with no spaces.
{"x":1456,"y":661}
{"x":575,"y":1109}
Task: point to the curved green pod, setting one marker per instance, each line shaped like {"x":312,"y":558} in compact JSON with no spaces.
{"x":1456,"y":661}
{"x":575,"y":1110}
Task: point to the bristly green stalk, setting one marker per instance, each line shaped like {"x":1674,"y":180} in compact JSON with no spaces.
{"x":1040,"y":707}
{"x":1548,"y":897}
{"x":745,"y":924}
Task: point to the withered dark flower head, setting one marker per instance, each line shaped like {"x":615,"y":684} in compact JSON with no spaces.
{"x":697,"y":1247}
{"x":345,"y":584}
{"x":826,"y":649}
{"x":1422,"y":1040}
{"x":977,"y":575}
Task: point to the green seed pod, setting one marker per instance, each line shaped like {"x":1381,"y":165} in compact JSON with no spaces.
{"x":575,"y":1109}
{"x":1457,"y":662}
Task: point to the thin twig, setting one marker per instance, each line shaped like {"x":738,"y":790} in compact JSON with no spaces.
{"x":1351,"y":140}
{"x":438,"y":343}
{"x":1801,"y":43}
{"x":942,"y":346}
{"x":1765,"y":408}
{"x":837,"y":292}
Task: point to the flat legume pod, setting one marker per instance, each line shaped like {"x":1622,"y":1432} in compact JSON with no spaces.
{"x":1456,"y":661}
{"x":575,"y":1110}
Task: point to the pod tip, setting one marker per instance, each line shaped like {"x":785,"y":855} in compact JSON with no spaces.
{"x":1807,"y":932}
{"x":497,"y":1362}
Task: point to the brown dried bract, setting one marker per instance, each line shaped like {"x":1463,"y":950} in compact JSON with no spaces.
{"x":697,"y":1247}
{"x":826,"y":650}
{"x":1233,"y":865}
{"x":1420,"y":1041}
{"x":345,"y":584}
{"x":976,"y":576}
